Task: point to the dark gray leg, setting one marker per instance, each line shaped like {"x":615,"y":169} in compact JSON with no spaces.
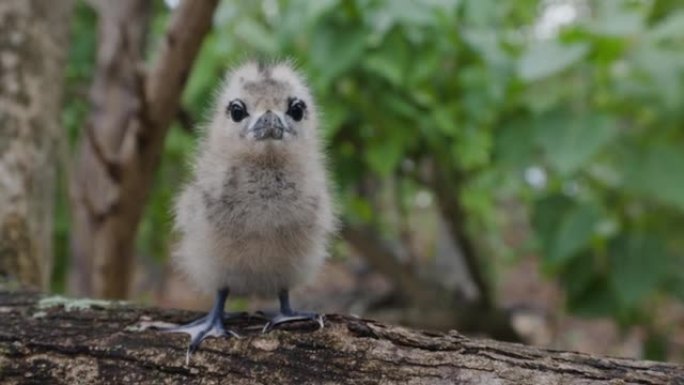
{"x":288,"y":315}
{"x":210,"y":325}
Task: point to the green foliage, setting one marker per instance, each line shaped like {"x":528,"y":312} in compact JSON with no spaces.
{"x":610,"y":143}
{"x":569,"y":141}
{"x":564,"y":227}
{"x":547,"y":58}
{"x":653,"y":174}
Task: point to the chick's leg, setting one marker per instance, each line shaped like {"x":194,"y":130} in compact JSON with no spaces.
{"x":286,"y":313}
{"x":210,"y":325}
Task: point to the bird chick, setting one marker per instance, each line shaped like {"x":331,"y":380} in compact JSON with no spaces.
{"x":257,"y":215}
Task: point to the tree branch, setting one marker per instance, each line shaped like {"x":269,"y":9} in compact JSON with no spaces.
{"x":57,"y":340}
{"x":382,"y":259}
{"x":436,"y":308}
{"x":447,"y":192}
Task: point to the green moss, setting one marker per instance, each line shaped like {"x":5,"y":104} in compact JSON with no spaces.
{"x":39,"y":314}
{"x":70,"y":304}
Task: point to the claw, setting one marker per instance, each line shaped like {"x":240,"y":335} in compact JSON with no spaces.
{"x":286,"y":314}
{"x":199,"y":330}
{"x":210,"y":325}
{"x":282,"y":318}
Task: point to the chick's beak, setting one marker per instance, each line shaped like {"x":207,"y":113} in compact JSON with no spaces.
{"x":268,"y":126}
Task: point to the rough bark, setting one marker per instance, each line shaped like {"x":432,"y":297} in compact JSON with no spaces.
{"x":34,"y":38}
{"x":123,"y":139}
{"x":55,"y":340}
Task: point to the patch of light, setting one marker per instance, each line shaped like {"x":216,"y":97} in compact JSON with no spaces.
{"x":423,"y":199}
{"x":620,"y":68}
{"x":608,"y":227}
{"x":270,"y":9}
{"x":555,"y":15}
{"x":172,"y":3}
{"x":535,"y":176}
{"x":408,"y":165}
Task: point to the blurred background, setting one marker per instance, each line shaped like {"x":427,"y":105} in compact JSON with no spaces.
{"x":510,"y":169}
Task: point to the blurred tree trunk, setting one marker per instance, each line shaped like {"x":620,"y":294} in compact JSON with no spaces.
{"x":124,"y":136}
{"x":116,"y":102}
{"x":34,"y":37}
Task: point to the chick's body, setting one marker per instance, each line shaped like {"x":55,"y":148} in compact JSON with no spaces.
{"x":257,"y":215}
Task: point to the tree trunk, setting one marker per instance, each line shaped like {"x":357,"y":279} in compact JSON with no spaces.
{"x":34,"y":37}
{"x":123,"y":139}
{"x":55,"y":340}
{"x":115,"y":105}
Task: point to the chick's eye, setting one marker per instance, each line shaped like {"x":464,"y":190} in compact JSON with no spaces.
{"x":237,"y":111}
{"x":296,"y":110}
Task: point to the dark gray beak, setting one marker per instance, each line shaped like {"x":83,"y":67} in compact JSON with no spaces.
{"x":269,"y":126}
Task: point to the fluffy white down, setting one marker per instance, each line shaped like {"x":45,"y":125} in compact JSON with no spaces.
{"x":256,"y":217}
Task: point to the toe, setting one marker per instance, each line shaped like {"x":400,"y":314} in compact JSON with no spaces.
{"x":295,"y":316}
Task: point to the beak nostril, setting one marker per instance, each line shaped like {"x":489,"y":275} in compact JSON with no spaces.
{"x":269,"y":125}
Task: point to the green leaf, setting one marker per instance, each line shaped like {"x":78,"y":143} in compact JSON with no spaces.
{"x":675,"y":282}
{"x":445,"y":119}
{"x":334,"y":116}
{"x":409,"y":12}
{"x":398,"y":107}
{"x":334,"y":51}
{"x":662,"y":68}
{"x":299,"y":15}
{"x":360,"y":208}
{"x":671,"y":27}
{"x":598,"y":300}
{"x":487,"y":43}
{"x":386,"y":67}
{"x":639,"y":264}
{"x":547,"y":215}
{"x":657,"y":174}
{"x":473,"y":148}
{"x":547,"y":58}
{"x":480,"y":12}
{"x":579,"y":274}
{"x":514,"y":144}
{"x":384,"y":156}
{"x":617,"y":19}
{"x":391,"y":59}
{"x":573,"y":234}
{"x":564,"y":227}
{"x":257,"y":35}
{"x":570,"y":142}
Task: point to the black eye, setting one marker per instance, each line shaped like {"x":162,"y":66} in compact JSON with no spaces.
{"x":296,"y":110}
{"x":237,"y":111}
